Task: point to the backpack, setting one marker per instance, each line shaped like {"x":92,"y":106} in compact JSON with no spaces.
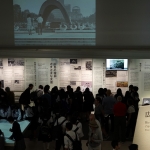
{"x":34,"y":95}
{"x":57,"y":130}
{"x":45,"y":130}
{"x":75,"y":143}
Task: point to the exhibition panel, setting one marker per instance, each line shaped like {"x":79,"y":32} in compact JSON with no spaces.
{"x":18,"y":73}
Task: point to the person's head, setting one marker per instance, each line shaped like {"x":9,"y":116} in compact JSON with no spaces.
{"x":108,"y":92}
{"x":68,"y":126}
{"x":7,"y":89}
{"x":92,"y":117}
{"x":78,"y":88}
{"x":30,"y":86}
{"x":68,"y":88}
{"x":119,"y":98}
{"x":115,"y":145}
{"x":135,"y":88}
{"x":130,"y":87}
{"x":40,"y":15}
{"x":87,"y":90}
{"x":10,"y":119}
{"x":98,"y":100}
{"x":133,"y":147}
{"x":41,"y":87}
{"x":46,"y":88}
{"x":93,"y":125}
{"x":73,"y":120}
{"x":119,"y":91}
{"x":101,"y":91}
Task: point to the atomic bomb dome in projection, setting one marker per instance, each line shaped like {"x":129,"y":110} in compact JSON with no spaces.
{"x":49,"y":5}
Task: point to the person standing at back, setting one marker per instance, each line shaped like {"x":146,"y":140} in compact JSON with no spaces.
{"x":10,"y":96}
{"x":119,"y":110}
{"x":108,"y":103}
{"x":40,"y":21}
{"x":25,"y":96}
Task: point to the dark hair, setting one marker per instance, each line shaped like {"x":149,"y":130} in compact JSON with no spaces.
{"x":28,"y":15}
{"x":10,"y":119}
{"x":78,"y":88}
{"x":114,"y":143}
{"x":40,"y":86}
{"x":69,"y":125}
{"x":46,"y":88}
{"x":73,"y":120}
{"x":133,"y":147}
{"x":131,"y":86}
{"x":30,"y":85}
{"x":98,"y":99}
{"x":135,"y":88}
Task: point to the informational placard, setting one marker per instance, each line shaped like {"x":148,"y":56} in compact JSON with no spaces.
{"x":76,"y":72}
{"x":142,"y":130}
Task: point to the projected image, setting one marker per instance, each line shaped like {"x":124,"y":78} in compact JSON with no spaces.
{"x":54,"y":22}
{"x":119,"y":64}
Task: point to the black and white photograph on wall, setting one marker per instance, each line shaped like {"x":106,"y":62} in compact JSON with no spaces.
{"x":77,"y":67}
{"x":15,"y":62}
{"x":110,"y":73}
{"x":88,"y":65}
{"x":1,"y":62}
{"x":86,"y":84}
{"x":146,"y":101}
{"x":16,"y":82}
{"x":73,"y":61}
{"x":116,"y":64}
{"x":2,"y":83}
{"x":72,"y":83}
{"x":54,"y":22}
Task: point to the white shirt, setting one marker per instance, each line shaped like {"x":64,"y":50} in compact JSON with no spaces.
{"x":60,"y":120}
{"x":79,"y":132}
{"x":39,"y":93}
{"x":131,"y":109}
{"x":67,"y":141}
{"x":79,"y":125}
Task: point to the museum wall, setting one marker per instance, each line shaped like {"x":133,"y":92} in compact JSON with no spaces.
{"x":18,"y":73}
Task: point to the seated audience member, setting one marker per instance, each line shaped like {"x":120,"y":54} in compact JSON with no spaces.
{"x":115,"y":145}
{"x":16,"y":112}
{"x":69,"y":136}
{"x":133,"y":147}
{"x":10,"y":96}
{"x":5,"y":111}
{"x":16,"y":134}
{"x":92,"y":117}
{"x":95,"y":136}
{"x":119,"y":110}
{"x":2,"y":141}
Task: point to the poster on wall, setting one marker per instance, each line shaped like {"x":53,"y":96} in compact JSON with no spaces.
{"x":98,"y":74}
{"x":76,"y":72}
{"x":66,"y":22}
{"x":11,"y":70}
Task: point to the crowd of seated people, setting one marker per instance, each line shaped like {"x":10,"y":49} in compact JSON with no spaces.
{"x":56,"y":113}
